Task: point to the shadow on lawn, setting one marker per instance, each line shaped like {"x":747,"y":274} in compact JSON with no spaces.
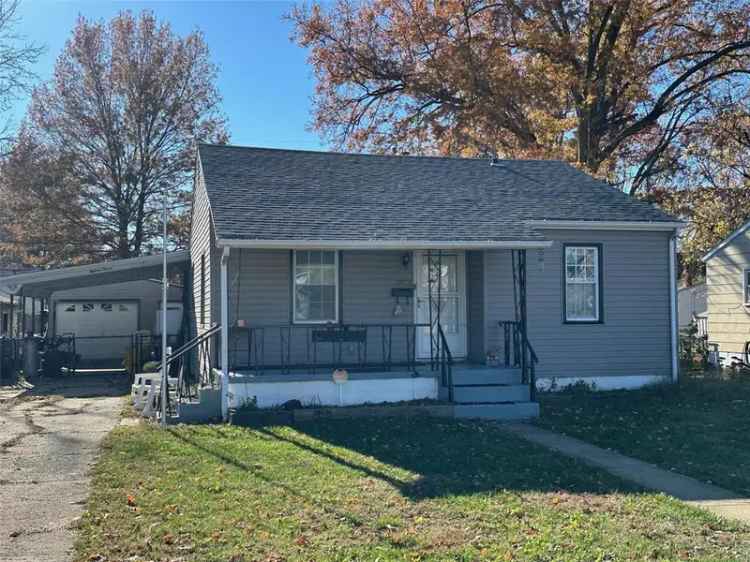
{"x":449,"y":457}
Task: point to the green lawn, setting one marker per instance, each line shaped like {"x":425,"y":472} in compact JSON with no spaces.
{"x":377,"y":489}
{"x":700,"y":427}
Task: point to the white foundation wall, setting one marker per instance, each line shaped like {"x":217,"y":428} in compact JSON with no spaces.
{"x":627,"y":382}
{"x":328,"y":393}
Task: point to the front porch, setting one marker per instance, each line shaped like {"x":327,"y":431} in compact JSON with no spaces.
{"x":435,"y":338}
{"x":364,"y":327}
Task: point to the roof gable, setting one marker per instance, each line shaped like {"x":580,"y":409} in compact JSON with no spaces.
{"x":726,"y":242}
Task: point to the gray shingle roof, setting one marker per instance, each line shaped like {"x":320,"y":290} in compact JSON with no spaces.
{"x":269,"y":194}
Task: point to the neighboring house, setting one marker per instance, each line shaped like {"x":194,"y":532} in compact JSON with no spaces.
{"x":728,"y":283}
{"x":383,"y":264}
{"x":102,"y":304}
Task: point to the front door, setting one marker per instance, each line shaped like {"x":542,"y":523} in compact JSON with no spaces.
{"x":443,"y":276}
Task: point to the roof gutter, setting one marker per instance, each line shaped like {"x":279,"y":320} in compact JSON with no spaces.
{"x":382,"y":244}
{"x":607,"y":225}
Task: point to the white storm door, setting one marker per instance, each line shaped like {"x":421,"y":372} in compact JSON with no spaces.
{"x":441,"y":275}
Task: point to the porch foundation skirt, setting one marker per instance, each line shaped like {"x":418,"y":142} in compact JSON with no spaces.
{"x":268,"y":391}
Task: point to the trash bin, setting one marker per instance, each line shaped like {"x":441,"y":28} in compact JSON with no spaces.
{"x":31,"y":357}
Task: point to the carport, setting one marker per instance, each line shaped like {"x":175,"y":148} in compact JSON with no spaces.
{"x":98,"y":304}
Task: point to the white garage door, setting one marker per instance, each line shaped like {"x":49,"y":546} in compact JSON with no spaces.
{"x":102,"y":328}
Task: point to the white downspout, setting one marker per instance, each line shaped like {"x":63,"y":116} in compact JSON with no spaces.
{"x":673,"y":306}
{"x":224,"y":336}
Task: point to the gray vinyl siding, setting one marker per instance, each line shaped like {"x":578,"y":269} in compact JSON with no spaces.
{"x":634,"y":337}
{"x":475,"y":305}
{"x":368,"y":279}
{"x":201,"y":244}
{"x":728,"y":317}
{"x":260,"y":294}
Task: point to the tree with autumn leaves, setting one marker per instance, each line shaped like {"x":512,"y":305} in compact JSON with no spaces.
{"x":609,"y":85}
{"x":649,"y":95}
{"x":106,"y":137}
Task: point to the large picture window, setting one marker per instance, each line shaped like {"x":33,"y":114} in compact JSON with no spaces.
{"x":315,"y":290}
{"x":582,"y":283}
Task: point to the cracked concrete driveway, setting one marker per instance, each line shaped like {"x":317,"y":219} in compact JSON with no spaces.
{"x":49,"y":438}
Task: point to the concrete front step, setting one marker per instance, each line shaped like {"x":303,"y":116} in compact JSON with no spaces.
{"x":494,"y":393}
{"x":502,"y":412}
{"x":463,"y":376}
{"x":207,"y":408}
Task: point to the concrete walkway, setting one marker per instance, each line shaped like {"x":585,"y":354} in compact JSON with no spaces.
{"x":717,"y":500}
{"x":49,"y":438}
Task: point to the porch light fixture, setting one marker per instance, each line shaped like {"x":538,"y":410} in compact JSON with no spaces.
{"x":406,"y":259}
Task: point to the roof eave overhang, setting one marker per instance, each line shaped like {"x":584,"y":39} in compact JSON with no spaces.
{"x":383,"y":244}
{"x":607,"y":225}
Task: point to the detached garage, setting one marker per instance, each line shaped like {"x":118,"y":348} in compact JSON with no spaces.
{"x":104,"y":304}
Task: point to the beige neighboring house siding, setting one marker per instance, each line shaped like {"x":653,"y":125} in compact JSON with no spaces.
{"x":728,"y":317}
{"x":201,"y":248}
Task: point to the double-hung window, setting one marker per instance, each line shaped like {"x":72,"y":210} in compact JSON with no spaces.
{"x":315,"y":290}
{"x":583,"y":292}
{"x":746,"y":286}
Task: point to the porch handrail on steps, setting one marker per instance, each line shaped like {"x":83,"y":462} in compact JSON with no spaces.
{"x":179,"y":359}
{"x":445,"y":358}
{"x":192,"y":344}
{"x":518,"y":352}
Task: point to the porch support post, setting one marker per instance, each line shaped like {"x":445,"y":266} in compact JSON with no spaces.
{"x":11,"y":328}
{"x":23,"y":316}
{"x":523,"y":319}
{"x":224,"y":335}
{"x":674,"y":336}
{"x":33,"y":315}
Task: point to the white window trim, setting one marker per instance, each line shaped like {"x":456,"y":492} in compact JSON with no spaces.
{"x":597,"y":288}
{"x":294,"y":288}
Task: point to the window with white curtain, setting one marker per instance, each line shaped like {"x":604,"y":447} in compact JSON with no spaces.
{"x":582,"y":279}
{"x":315,"y":290}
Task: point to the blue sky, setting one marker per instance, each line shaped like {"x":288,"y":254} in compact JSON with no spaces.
{"x":263,"y":77}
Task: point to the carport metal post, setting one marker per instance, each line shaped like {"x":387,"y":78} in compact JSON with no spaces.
{"x":164,"y":287}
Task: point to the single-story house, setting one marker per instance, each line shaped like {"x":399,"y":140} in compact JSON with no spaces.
{"x":350,"y":278}
{"x":103,"y":305}
{"x":728,"y":293}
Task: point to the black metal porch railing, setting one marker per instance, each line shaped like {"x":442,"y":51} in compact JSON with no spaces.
{"x":445,"y":358}
{"x":519,"y":353}
{"x":356,"y":347}
{"x":192,"y":364}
